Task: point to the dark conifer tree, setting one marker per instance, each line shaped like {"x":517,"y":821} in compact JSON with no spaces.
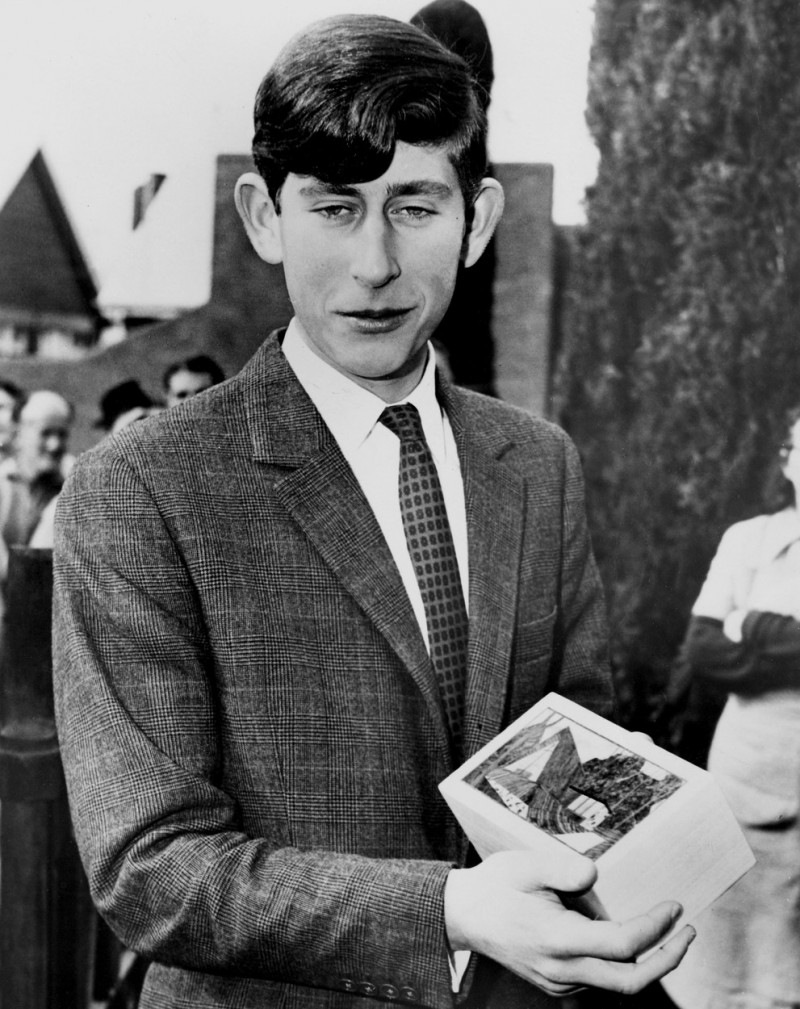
{"x":681,"y":347}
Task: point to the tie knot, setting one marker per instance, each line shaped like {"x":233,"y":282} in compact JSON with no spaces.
{"x":404,"y":420}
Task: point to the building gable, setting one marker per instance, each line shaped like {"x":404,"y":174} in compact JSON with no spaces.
{"x":44,"y":278}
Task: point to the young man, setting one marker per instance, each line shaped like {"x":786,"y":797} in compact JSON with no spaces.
{"x":257,"y":696}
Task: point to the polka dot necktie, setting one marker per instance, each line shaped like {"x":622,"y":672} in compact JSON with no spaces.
{"x":430,"y":544}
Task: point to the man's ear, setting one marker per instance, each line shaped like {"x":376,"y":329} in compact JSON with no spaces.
{"x":259,"y":216}
{"x":487,"y":211}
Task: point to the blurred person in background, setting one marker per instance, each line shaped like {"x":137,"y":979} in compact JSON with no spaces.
{"x":123,"y":404}
{"x":35,"y":470}
{"x":463,"y":339}
{"x":9,"y":394}
{"x":120,"y":406}
{"x":744,"y":636}
{"x":187,"y":378}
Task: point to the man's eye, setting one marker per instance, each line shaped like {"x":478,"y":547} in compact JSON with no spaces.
{"x":414,"y":213}
{"x":334,"y":211}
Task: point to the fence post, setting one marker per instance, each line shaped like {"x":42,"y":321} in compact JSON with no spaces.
{"x":46,"y":920}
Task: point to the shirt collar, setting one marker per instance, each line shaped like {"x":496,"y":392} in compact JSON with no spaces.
{"x":350,"y":411}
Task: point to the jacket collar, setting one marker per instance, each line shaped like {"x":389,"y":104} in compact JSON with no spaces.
{"x":285,"y":426}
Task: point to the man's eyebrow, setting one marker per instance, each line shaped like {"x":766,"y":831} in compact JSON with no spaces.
{"x":415,"y":187}
{"x":420,"y":187}
{"x":317,"y":189}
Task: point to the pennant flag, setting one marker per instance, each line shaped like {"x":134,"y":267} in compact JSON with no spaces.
{"x":143,"y":196}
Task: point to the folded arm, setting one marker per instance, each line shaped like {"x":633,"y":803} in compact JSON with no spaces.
{"x":766,"y":658}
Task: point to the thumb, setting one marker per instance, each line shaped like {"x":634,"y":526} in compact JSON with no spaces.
{"x":570,"y":872}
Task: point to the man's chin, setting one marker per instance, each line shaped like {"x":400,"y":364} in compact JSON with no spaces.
{"x":391,"y":370}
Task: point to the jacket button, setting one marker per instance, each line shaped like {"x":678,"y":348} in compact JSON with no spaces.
{"x":409,"y":994}
{"x":389,"y":991}
{"x":348,"y":984}
{"x":367,"y":988}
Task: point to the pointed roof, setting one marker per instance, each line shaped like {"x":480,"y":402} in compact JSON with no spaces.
{"x":42,"y":268}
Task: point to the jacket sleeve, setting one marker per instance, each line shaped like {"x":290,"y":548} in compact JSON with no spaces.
{"x":767,"y":658}
{"x":168,"y":863}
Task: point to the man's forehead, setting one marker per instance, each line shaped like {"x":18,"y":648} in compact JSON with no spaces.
{"x":415,"y":169}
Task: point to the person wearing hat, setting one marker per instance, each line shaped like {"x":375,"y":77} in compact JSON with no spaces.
{"x":123,"y":404}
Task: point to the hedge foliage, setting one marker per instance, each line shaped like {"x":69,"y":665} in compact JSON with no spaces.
{"x":681,"y":347}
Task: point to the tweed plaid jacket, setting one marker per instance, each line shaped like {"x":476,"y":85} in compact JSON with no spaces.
{"x":247,"y":713}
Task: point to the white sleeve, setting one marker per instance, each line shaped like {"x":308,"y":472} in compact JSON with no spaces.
{"x":718,"y":595}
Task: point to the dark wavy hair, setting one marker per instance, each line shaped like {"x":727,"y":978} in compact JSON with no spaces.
{"x":344,"y":91}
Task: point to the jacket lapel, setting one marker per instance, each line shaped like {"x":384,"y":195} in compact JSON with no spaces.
{"x":322,"y":495}
{"x":495,"y":509}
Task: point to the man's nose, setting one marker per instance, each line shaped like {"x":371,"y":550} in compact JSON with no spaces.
{"x":375,"y":261}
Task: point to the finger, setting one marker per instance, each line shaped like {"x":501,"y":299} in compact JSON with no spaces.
{"x":642,"y":932}
{"x":577,"y":935}
{"x":629,"y":978}
{"x":554,"y":989}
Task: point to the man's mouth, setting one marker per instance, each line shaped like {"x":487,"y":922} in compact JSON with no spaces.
{"x":376,"y":320}
{"x":376,"y":313}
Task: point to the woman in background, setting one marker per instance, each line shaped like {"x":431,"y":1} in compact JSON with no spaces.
{"x":744,"y":635}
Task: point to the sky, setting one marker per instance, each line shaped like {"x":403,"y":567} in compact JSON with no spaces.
{"x":114,"y":90}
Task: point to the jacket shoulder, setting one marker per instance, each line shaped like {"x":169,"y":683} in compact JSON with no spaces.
{"x":502,"y":422}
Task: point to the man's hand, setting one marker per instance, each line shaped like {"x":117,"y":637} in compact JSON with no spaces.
{"x":508,"y":909}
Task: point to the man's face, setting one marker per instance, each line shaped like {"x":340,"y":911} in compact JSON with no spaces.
{"x":42,"y":435}
{"x":184,"y":384}
{"x":370,"y":268}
